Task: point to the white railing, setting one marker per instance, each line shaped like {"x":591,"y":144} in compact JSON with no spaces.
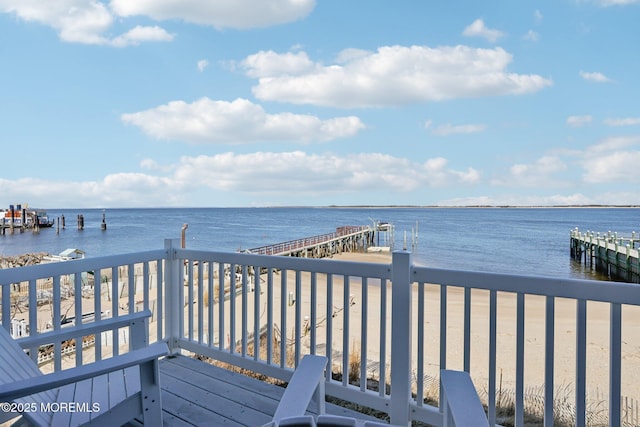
{"x":395,"y":323}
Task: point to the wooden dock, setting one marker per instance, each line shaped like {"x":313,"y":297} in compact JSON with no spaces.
{"x":611,"y":254}
{"x":344,"y":239}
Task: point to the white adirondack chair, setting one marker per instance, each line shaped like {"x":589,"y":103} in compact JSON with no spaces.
{"x":306,"y":382}
{"x":110,"y":392}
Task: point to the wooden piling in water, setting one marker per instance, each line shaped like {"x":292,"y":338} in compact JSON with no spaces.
{"x":616,"y":256}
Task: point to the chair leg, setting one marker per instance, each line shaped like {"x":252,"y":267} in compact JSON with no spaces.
{"x":150,"y":393}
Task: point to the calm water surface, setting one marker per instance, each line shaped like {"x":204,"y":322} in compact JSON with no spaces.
{"x":507,"y":240}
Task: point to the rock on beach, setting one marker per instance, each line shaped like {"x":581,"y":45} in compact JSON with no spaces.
{"x":22,"y":260}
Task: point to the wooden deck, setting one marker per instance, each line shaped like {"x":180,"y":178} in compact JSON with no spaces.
{"x":195,"y":393}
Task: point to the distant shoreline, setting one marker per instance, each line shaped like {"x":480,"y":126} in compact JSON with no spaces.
{"x":483,"y":206}
{"x":361,"y":207}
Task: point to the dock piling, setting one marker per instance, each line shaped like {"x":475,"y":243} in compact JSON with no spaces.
{"x":611,"y":254}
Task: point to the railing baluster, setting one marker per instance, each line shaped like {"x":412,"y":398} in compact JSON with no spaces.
{"x":581,"y":361}
{"x":97,"y":310}
{"x":245,"y":310}
{"x":131,"y":287}
{"x":256,"y":313}
{"x":221,"y":302}
{"x":270,"y":315}
{"x":77,"y":279}
{"x":329,"y":337}
{"x":6,"y":305}
{"x":420,"y":338}
{"x":57,"y":307}
{"x":298,"y":317}
{"x":115,"y":310}
{"x":493,"y":309}
{"x":33,"y":316}
{"x":443,"y":328}
{"x":615,"y":358}
{"x":346,"y":309}
{"x":283,"y":318}
{"x":189,"y":301}
{"x":211,"y":303}
{"x":313,"y":321}
{"x":181,"y":297}
{"x":467,"y":329}
{"x":520,"y":318}
{"x":549,"y":350}
{"x":145,"y":286}
{"x":200,"y":302}
{"x":364,"y":307}
{"x":232,"y":308}
{"x":160,"y":292}
{"x":383,"y":338}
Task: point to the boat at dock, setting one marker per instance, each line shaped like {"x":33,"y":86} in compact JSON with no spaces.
{"x":23,"y":217}
{"x":43,"y":220}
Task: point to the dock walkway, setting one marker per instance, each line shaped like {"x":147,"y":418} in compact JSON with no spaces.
{"x":614,"y":255}
{"x":344,"y":239}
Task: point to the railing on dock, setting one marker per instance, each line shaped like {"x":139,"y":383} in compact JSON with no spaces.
{"x":394,"y":323}
{"x":344,"y":238}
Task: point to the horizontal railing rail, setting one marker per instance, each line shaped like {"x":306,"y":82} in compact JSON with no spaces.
{"x":393,"y":324}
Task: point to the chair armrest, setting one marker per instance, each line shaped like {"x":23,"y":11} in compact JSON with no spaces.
{"x":17,"y":389}
{"x":462,"y":406}
{"x":83,"y":330}
{"x":306,"y":379}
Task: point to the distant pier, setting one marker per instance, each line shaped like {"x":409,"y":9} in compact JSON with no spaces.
{"x":344,"y":239}
{"x":611,"y":254}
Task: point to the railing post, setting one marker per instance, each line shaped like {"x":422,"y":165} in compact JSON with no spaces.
{"x":172,"y":292}
{"x":401,"y":336}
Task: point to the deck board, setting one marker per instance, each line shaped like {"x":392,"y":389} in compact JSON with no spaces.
{"x":195,"y":393}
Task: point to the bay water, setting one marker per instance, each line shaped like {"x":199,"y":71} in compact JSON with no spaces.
{"x":530,"y":241}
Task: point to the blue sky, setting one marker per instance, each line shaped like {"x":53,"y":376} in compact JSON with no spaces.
{"x":153,"y":103}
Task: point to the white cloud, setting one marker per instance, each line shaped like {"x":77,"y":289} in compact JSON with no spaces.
{"x":528,"y":200}
{"x":607,"y":3}
{"x":142,"y":34}
{"x":115,"y":190}
{"x":537,"y":16}
{"x":393,"y":75}
{"x":288,"y":174}
{"x":579,"y":121}
{"x":478,"y":29}
{"x":532,"y":36}
{"x":240,"y":121}
{"x":629,"y":121}
{"x":202,"y":64}
{"x":613,"y":159}
{"x":318,"y":173}
{"x":270,"y":63}
{"x":220,"y":13}
{"x":537,"y":174}
{"x":449,"y":129}
{"x":81,"y":21}
{"x":594,"y":77}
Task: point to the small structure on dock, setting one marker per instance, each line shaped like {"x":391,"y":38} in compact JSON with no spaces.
{"x":609,"y":253}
